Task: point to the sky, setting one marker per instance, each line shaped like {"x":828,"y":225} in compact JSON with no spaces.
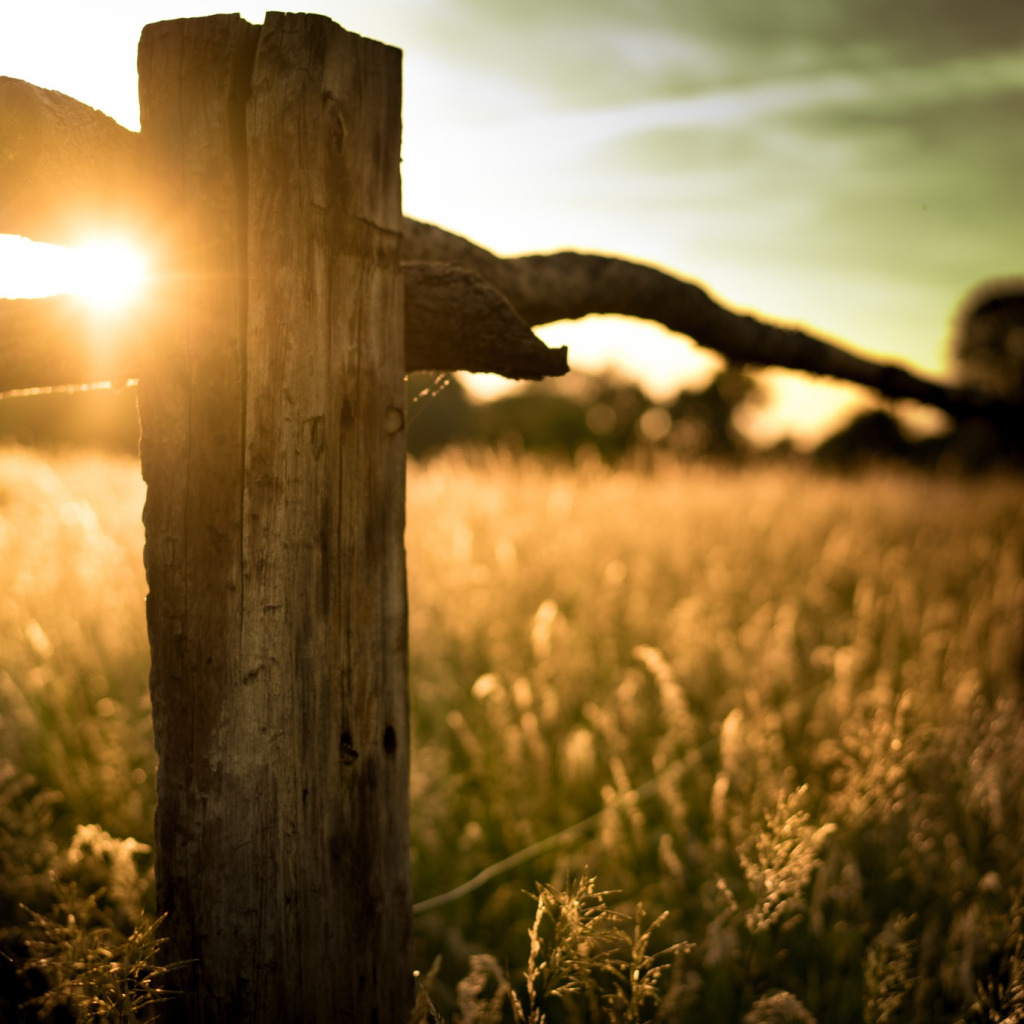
{"x":849,"y":166}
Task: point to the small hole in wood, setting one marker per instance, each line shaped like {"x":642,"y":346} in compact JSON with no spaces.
{"x":346,"y":750}
{"x":390,"y":741}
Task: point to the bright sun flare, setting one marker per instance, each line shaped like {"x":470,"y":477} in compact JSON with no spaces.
{"x":107,"y":274}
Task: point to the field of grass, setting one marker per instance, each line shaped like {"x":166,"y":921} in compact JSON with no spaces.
{"x":785,"y":710}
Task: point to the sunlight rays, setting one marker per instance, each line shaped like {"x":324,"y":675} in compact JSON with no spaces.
{"x":107,"y":274}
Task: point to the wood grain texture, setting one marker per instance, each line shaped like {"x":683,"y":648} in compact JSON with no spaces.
{"x":273,"y":447}
{"x":60,"y":340}
{"x":193,"y":79}
{"x":569,"y":285}
{"x":455,"y":320}
{"x":322,"y":714}
{"x":274,"y":450}
{"x":67,"y":171}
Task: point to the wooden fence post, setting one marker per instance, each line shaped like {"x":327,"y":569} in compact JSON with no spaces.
{"x":273,"y":447}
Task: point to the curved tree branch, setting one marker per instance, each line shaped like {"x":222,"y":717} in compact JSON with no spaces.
{"x":569,"y":285}
{"x":455,"y":320}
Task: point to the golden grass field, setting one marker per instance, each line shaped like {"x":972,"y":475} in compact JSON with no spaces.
{"x":784,"y":709}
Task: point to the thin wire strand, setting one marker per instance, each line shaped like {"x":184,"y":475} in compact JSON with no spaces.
{"x":500,"y":867}
{"x":432,"y":390}
{"x":69,"y":389}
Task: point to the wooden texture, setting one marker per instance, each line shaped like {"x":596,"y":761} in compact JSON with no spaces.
{"x":454,"y":320}
{"x":569,"y":285}
{"x":60,"y":340}
{"x":192,"y":82}
{"x":273,"y":447}
{"x":67,"y":171}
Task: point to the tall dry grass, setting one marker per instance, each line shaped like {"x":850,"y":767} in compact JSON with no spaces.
{"x":799,"y":698}
{"x":783,"y":709}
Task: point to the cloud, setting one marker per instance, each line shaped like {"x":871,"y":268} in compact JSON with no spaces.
{"x":586,"y":51}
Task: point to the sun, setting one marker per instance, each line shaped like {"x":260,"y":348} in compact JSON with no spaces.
{"x":108,"y":274}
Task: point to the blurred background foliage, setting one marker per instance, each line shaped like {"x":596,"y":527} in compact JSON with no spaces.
{"x":598,"y":414}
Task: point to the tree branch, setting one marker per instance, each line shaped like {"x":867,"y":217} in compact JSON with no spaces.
{"x":67,"y":171}
{"x":58,"y":341}
{"x":454,"y":320}
{"x":569,"y":285}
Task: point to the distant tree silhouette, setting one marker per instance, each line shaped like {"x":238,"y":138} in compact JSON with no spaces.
{"x":703,"y":421}
{"x":870,"y":437}
{"x":601,"y":413}
{"x":540,"y":418}
{"x":988,"y":354}
{"x":988,"y":345}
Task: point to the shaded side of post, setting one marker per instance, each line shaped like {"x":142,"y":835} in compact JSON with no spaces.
{"x":273,"y":447}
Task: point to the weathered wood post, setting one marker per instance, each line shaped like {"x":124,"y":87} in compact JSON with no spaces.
{"x":273,"y":447}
